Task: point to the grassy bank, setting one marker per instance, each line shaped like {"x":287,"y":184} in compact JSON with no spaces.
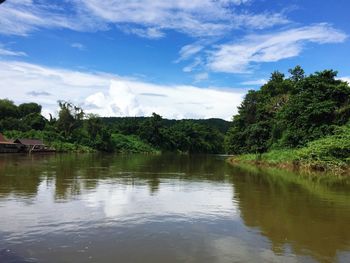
{"x":331,"y":153}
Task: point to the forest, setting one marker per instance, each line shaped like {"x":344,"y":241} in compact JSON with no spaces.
{"x":74,"y":130}
{"x":294,"y":118}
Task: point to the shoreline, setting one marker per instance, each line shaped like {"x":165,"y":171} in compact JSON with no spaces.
{"x":293,"y":166}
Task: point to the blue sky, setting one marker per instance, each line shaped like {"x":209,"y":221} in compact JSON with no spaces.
{"x":181,"y":59}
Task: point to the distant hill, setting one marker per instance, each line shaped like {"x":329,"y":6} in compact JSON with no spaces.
{"x":129,"y":124}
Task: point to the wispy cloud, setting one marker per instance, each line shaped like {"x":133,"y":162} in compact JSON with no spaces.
{"x":153,"y":95}
{"x":197,"y":62}
{"x":38,"y":93}
{"x":201,"y":76}
{"x":188,"y":51}
{"x":197,"y":17}
{"x":8,"y":52}
{"x":207,"y":21}
{"x":78,"y":46}
{"x":21,"y":17}
{"x":146,"y":18}
{"x":112,"y":95}
{"x":150,"y":32}
{"x":239,"y":57}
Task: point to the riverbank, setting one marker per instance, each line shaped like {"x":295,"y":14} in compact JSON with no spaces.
{"x":290,"y":160}
{"x":329,"y":154}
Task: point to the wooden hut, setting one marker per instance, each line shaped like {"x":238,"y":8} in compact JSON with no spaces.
{"x":33,"y":145}
{"x":30,"y":145}
{"x":7,"y":146}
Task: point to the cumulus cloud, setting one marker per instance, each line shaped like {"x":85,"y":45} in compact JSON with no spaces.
{"x":239,"y":57}
{"x":112,"y":95}
{"x":127,"y":98}
{"x":146,"y":18}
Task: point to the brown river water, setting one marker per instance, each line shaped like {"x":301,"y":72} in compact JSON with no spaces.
{"x":167,"y":208}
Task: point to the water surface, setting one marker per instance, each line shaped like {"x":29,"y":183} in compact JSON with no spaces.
{"x":167,"y":208}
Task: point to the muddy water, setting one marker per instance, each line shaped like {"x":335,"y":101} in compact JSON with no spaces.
{"x":167,"y":208}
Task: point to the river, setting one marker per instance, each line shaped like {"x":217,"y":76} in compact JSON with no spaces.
{"x":167,"y":208}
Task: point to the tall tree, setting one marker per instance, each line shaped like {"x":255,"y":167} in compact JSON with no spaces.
{"x":69,"y":117}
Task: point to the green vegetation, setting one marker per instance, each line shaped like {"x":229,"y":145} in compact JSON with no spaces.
{"x":75,"y":131}
{"x":301,"y":120}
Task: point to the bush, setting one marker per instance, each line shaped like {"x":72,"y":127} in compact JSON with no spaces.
{"x":329,"y":152}
{"x":130,"y":144}
{"x":71,"y":147}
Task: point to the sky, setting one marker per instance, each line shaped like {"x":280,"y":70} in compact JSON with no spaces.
{"x":178,"y":58}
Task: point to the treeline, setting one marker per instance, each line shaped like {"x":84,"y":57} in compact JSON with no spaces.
{"x":74,"y":130}
{"x":294,"y":112}
{"x":310,"y":113}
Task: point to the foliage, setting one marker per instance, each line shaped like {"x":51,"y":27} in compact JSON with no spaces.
{"x":76,"y":131}
{"x":329,"y":153}
{"x":71,"y":147}
{"x":289,"y":112}
{"x":69,"y":117}
{"x":186,"y":136}
{"x":130,"y":144}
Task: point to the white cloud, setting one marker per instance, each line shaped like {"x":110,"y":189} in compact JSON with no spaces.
{"x":19,"y":17}
{"x":196,"y":17}
{"x":188,"y":51}
{"x":239,"y":57}
{"x":196,"y":63}
{"x":127,"y":98}
{"x":7,"y":52}
{"x":146,"y":18}
{"x":347,"y":79}
{"x":111,"y":95}
{"x":152,"y":32}
{"x":78,"y":46}
{"x":257,"y":82}
{"x":201,"y":76}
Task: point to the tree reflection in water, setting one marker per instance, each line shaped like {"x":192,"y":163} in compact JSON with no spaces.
{"x":305,"y":214}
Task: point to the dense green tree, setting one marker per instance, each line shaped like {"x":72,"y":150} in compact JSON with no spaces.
{"x":8,"y":109}
{"x":289,"y":112}
{"x":320,"y":103}
{"x":34,"y":121}
{"x":297,"y":74}
{"x":25,"y":109}
{"x":150,"y":131}
{"x":69,"y":117}
{"x":100,"y":137}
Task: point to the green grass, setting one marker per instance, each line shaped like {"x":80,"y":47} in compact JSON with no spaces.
{"x":331,"y":153}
